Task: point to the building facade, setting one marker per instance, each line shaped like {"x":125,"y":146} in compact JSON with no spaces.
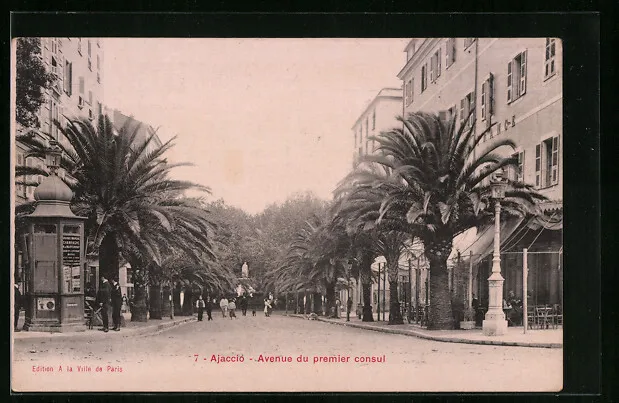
{"x":379,"y":115}
{"x":513,"y":86}
{"x":77,"y":92}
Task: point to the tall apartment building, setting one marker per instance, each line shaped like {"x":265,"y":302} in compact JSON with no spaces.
{"x":516,"y":84}
{"x":77,"y":92}
{"x":380,"y":114}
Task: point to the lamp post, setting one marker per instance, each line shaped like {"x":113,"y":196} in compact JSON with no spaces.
{"x":494,"y":323}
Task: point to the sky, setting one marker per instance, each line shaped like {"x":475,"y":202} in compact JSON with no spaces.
{"x":259,"y":119}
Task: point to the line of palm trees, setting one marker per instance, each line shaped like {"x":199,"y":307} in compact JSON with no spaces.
{"x":134,"y":211}
{"x":426,"y":182}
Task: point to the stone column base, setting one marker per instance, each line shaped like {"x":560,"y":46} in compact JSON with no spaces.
{"x":494,"y":327}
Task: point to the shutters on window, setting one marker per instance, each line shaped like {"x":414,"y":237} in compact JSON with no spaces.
{"x":555,"y":161}
{"x":509,"y":81}
{"x":538,"y":165}
{"x":523,"y":73}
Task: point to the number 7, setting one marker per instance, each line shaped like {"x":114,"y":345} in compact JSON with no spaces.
{"x":196,"y":355}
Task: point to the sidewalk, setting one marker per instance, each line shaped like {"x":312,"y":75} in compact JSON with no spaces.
{"x":131,"y":329}
{"x":549,"y":338}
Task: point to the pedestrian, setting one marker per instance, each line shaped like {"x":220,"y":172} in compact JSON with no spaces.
{"x":348,"y":307}
{"x":243,"y":304}
{"x":17,"y":306}
{"x":267,"y":307}
{"x":223,"y":304}
{"x":338,"y":308}
{"x":209,"y":308}
{"x":103,"y":299}
{"x":200,"y":305}
{"x":117,"y":301}
{"x":232,"y":308}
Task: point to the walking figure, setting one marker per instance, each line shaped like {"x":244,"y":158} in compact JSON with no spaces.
{"x":223,"y":304}
{"x":232,"y":309}
{"x":243,"y":304}
{"x":267,"y":307}
{"x":103,"y":299}
{"x":209,"y":308}
{"x":117,"y":301}
{"x":200,"y":305}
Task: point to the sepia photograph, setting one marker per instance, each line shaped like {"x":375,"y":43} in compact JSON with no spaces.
{"x":287,"y":214}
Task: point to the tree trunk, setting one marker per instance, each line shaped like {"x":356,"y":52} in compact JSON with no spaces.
{"x":108,"y":256}
{"x":365,"y":273}
{"x":176,"y":297}
{"x":395,"y":315}
{"x":307,"y":305}
{"x":188,"y":302}
{"x":155,"y":301}
{"x":317,"y":299}
{"x":165,"y":302}
{"x":331,"y":299}
{"x":441,"y":314}
{"x":139,"y":311}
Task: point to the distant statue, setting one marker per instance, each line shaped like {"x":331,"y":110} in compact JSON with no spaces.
{"x":245,"y":270}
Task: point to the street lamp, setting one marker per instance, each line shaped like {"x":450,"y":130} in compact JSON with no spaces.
{"x":494,"y":323}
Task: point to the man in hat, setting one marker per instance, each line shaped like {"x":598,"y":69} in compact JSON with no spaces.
{"x":103,"y":299}
{"x":117,"y":303}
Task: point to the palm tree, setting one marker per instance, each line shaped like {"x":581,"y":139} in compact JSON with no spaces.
{"x":437,"y":188}
{"x":360,"y":199}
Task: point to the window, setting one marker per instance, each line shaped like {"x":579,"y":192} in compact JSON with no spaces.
{"x":549,"y":60}
{"x":487,"y":98}
{"x":99,"y":108}
{"x":515,"y":172}
{"x":90,"y":98}
{"x":53,"y":117}
{"x":89,"y":48}
{"x":409,"y":91}
{"x":547,"y":162}
{"x":424,"y":77}
{"x":451,"y":112}
{"x":89,"y":64}
{"x":98,"y":77}
{"x":468,"y":42}
{"x":68,"y":77}
{"x":53,"y":46}
{"x":435,"y":66}
{"x":517,"y":77}
{"x":450,"y":52}
{"x":374,"y":120}
{"x":81,"y":85}
{"x":467,"y":106}
{"x":98,"y":63}
{"x":57,"y":72}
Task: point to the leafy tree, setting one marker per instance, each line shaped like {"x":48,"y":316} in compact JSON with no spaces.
{"x":32,"y":79}
{"x":437,"y":188}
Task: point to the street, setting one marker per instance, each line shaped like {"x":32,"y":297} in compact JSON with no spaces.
{"x":262,"y":354}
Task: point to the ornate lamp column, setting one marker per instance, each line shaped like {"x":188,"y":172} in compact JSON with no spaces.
{"x":494,"y":323}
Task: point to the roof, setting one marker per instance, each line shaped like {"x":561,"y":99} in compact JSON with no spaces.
{"x":385,"y":93}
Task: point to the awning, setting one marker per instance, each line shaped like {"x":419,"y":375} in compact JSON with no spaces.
{"x":483,"y":243}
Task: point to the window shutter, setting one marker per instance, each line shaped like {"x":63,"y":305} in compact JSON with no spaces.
{"x":490,"y":96}
{"x":453,"y":50}
{"x":483,"y":100}
{"x":509,"y":82}
{"x":82,"y":86}
{"x":406,"y":87}
{"x":538,"y":165}
{"x":447,"y":54}
{"x":462,"y":112}
{"x":438,"y":63}
{"x":412,"y":89}
{"x":432,"y":67}
{"x":555,"y":161}
{"x":523,"y":73}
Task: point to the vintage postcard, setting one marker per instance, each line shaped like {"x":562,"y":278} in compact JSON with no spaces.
{"x":287,"y":215}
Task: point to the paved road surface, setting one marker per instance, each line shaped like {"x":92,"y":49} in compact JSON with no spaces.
{"x":181,"y":360}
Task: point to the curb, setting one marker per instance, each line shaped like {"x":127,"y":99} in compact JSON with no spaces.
{"x":141,"y":331}
{"x":413,"y":333}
